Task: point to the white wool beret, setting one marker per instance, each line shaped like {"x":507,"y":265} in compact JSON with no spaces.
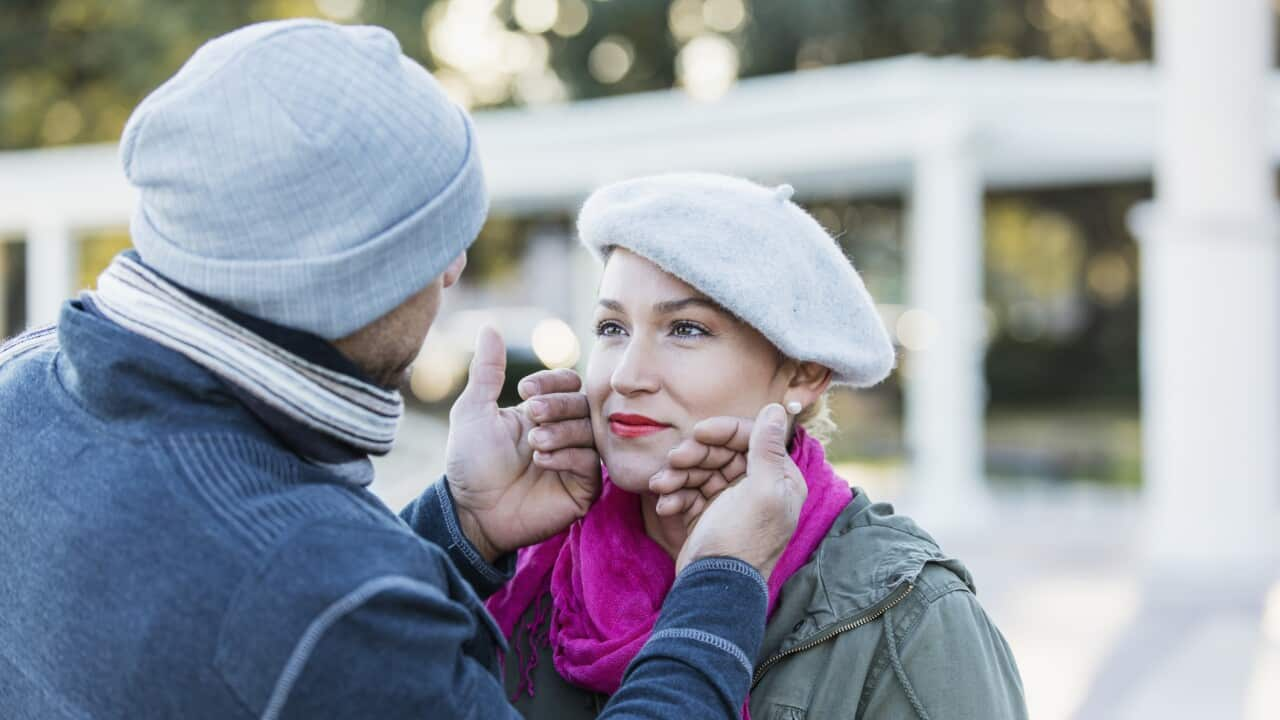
{"x":754,"y":252}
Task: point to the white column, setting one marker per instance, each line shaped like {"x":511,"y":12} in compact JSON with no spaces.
{"x":547,"y":268}
{"x":583,"y":285}
{"x":50,"y":258}
{"x":945,"y":388}
{"x":1211,"y":295}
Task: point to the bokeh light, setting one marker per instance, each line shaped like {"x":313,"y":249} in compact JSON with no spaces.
{"x":684,"y":18}
{"x":436,"y":373}
{"x":340,"y":10}
{"x":916,"y":329}
{"x":535,"y":16}
{"x":611,"y":59}
{"x":707,"y":67}
{"x":572,"y":18}
{"x":555,"y":344}
{"x":482,"y":62}
{"x":724,"y":16}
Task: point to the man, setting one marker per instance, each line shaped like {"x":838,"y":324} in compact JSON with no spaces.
{"x":186,"y":530}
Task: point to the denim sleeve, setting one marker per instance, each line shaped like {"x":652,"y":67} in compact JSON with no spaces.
{"x":433,"y":517}
{"x":699,"y":660}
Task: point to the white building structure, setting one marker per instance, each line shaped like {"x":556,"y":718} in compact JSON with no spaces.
{"x":940,"y":132}
{"x":1211,"y":293}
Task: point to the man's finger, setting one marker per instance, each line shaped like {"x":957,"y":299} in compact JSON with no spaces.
{"x":564,"y":434}
{"x":580,"y":461}
{"x":693,"y":454}
{"x":669,"y":480}
{"x":488,"y":369}
{"x":545,"y":382}
{"x":680,"y":501}
{"x":768,"y":450}
{"x":736,"y":468}
{"x":716,"y":484}
{"x":557,"y":406}
{"x":725,"y":431}
{"x":707,"y":482}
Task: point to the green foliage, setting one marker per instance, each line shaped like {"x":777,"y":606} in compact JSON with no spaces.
{"x":71,"y":70}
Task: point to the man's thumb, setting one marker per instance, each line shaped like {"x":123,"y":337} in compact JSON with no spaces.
{"x":768,"y":445}
{"x":488,"y":368}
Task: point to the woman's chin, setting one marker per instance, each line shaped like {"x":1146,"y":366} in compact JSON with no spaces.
{"x":632,"y":474}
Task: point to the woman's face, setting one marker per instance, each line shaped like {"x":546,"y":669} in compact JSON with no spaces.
{"x":665,"y":358}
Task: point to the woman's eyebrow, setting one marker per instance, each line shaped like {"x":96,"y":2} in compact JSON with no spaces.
{"x":669,"y":306}
{"x":665,"y":307}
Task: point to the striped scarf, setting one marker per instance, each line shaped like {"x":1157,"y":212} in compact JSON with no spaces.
{"x":357,"y":413}
{"x":28,"y":341}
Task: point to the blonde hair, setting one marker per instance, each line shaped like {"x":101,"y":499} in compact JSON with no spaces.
{"x":817,"y":420}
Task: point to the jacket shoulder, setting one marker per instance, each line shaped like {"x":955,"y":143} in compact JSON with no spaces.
{"x":868,"y":553}
{"x":939,"y":650}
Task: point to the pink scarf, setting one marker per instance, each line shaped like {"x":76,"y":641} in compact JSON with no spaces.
{"x":607,"y":578}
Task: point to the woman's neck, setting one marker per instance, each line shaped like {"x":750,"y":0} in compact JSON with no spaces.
{"x":668,"y":532}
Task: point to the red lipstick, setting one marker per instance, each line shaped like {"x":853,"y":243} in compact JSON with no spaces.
{"x":631,"y":426}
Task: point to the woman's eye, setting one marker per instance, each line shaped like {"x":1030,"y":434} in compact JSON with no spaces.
{"x":607,"y":328}
{"x":688,"y":329}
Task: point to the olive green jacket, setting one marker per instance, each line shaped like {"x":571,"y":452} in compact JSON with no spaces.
{"x":879,"y":624}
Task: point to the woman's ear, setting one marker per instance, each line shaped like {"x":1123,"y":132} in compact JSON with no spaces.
{"x":809,"y":382}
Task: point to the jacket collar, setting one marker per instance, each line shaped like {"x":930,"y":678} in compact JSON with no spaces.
{"x":867,"y":557}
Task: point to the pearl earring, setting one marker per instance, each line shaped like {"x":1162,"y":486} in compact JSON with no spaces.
{"x":794,"y":407}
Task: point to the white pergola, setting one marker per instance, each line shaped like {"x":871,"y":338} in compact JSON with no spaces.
{"x":939,"y":131}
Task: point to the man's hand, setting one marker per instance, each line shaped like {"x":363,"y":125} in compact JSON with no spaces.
{"x":753,"y":518}
{"x":519,"y":475}
{"x":702,"y":465}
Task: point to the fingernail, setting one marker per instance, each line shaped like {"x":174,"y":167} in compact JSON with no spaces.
{"x":776,"y":416}
{"x":538,"y":408}
{"x":537,"y":436}
{"x":527,"y":387}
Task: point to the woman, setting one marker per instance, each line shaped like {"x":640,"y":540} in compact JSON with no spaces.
{"x":718,"y":297}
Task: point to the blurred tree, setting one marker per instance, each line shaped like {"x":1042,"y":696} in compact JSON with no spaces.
{"x":71,"y":70}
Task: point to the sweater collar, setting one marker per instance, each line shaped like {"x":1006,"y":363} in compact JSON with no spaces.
{"x":323,"y":448}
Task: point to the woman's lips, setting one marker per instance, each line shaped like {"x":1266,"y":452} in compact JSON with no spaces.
{"x":632,"y":426}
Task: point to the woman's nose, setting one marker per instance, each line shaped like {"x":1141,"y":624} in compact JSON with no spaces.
{"x":636,"y":372}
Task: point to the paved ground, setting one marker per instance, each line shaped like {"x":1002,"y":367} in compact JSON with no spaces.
{"x":1060,"y":572}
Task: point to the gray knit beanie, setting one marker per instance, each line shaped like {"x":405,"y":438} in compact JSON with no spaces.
{"x":758,"y":255}
{"x":303,"y":172}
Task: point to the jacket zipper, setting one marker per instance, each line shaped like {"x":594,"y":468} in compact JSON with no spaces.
{"x":884,"y":607}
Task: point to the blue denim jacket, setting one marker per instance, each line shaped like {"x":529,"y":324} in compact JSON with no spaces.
{"x":165,"y":553}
